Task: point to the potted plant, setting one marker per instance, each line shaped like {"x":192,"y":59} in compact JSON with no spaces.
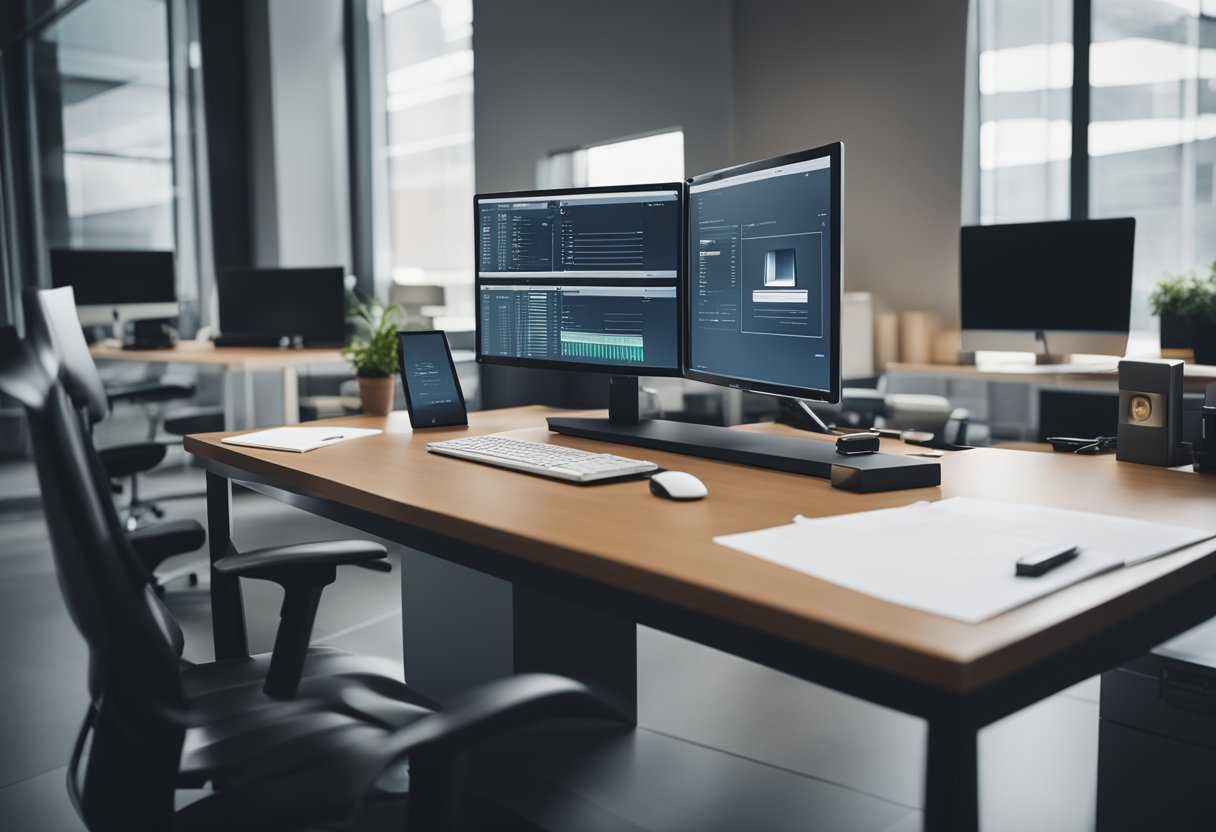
{"x":372,"y":352}
{"x":1187,"y":303}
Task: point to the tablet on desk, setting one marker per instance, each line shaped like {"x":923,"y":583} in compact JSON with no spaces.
{"x":432,"y":392}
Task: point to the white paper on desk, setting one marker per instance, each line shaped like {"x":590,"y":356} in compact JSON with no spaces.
{"x":955,"y":558}
{"x":298,"y":440}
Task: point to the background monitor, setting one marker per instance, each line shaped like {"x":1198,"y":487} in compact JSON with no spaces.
{"x":581,"y":278}
{"x":115,"y":285}
{"x":1048,"y":287}
{"x":266,"y":305}
{"x":764,"y":253}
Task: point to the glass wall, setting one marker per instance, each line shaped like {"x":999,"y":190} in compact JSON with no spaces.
{"x":1152,"y":132}
{"x":1025,"y":83}
{"x":428,"y":57}
{"x":103,"y":125}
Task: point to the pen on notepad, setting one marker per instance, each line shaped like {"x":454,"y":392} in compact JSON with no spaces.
{"x":328,"y":438}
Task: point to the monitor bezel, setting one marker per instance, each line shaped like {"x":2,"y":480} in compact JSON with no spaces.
{"x":835,"y":152}
{"x":588,"y":367}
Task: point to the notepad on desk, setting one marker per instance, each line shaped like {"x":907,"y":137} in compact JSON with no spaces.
{"x":956,"y":558}
{"x":298,"y":440}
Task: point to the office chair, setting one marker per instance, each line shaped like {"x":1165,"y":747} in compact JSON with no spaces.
{"x":123,"y":462}
{"x":155,"y":723}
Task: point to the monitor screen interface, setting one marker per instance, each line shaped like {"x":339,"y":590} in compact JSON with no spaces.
{"x":308,"y":302}
{"x":583,"y":279}
{"x":764,"y":294}
{"x":1069,"y":276}
{"x":110,"y":278}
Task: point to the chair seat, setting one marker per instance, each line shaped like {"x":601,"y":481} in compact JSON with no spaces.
{"x":124,"y":460}
{"x":149,"y":392}
{"x":194,"y":420}
{"x":163,"y":540}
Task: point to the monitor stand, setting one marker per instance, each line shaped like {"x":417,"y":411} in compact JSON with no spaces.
{"x":864,"y":473}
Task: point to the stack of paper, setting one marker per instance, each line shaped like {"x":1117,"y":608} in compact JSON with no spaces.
{"x":298,"y":439}
{"x":956,"y":558}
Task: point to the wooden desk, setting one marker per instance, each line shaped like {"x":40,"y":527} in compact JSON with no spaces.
{"x":233,"y":361}
{"x":618,"y":550}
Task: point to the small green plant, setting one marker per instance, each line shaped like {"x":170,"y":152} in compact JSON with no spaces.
{"x":1191,"y":295}
{"x":372,"y":351}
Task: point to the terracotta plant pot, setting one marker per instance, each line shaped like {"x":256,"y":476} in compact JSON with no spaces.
{"x":377,"y":394}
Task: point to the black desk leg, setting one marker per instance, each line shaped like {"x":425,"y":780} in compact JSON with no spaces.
{"x":599,"y":650}
{"x":951,"y":777}
{"x":227,"y":607}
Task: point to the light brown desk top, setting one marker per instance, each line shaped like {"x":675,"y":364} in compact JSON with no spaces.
{"x":205,"y":353}
{"x":621,"y":535}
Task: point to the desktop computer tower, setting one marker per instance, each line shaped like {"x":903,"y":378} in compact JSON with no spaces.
{"x":1157,"y":738}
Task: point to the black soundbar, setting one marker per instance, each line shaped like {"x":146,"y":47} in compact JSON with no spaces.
{"x":864,"y":474}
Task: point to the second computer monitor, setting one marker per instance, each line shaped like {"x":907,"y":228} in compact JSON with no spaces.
{"x":272,"y":306}
{"x":581,"y":278}
{"x":764,"y":257}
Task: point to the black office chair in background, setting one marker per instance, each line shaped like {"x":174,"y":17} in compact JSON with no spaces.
{"x":155,"y":723}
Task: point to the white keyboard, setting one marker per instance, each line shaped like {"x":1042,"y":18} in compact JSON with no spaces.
{"x":539,"y":458}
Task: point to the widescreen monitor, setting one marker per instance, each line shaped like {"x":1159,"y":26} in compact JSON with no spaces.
{"x":290,"y":305}
{"x":1054,"y":288}
{"x":764,"y":266}
{"x":581,"y":279}
{"x":117,"y":285}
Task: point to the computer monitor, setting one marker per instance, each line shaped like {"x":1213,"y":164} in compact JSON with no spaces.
{"x":113,"y":286}
{"x":1054,"y":288}
{"x":581,"y":279}
{"x":764,"y":258}
{"x":297,"y":306}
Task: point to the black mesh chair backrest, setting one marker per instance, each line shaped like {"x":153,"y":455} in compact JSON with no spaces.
{"x":134,"y":677}
{"x":77,"y":369}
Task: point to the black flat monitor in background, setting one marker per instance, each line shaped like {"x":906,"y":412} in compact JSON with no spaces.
{"x":282,"y":307}
{"x":113,"y":286}
{"x":581,"y":279}
{"x":1054,"y":288}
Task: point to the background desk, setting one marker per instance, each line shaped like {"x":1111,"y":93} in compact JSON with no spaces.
{"x":583,"y":564}
{"x":233,"y":361}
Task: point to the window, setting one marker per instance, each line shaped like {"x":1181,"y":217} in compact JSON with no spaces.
{"x":1151,"y":132}
{"x":428,"y":99}
{"x":104,"y":129}
{"x":655,"y":158}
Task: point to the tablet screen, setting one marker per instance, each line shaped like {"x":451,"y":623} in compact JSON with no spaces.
{"x":432,"y":391}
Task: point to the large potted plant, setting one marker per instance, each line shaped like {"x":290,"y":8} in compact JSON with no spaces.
{"x":1188,"y":302}
{"x":372,"y":352}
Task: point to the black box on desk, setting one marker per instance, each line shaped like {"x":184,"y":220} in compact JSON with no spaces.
{"x":1157,"y":738}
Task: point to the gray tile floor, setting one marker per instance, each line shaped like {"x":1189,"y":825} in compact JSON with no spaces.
{"x":797,"y":755}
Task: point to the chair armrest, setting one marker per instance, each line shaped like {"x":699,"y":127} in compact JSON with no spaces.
{"x":149,"y":391}
{"x":155,"y":543}
{"x":124,"y":460}
{"x":259,"y":563}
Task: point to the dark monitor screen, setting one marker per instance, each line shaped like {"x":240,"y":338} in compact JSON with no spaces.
{"x":581,"y":278}
{"x":111,"y":277}
{"x":1073,"y":276}
{"x":273,"y":303}
{"x":764,"y":251}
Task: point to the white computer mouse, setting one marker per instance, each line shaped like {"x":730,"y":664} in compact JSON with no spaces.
{"x":677,"y":485}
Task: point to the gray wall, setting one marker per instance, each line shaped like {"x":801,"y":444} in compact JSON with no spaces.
{"x":887,"y":78}
{"x":746,"y":80}
{"x":554,"y":75}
